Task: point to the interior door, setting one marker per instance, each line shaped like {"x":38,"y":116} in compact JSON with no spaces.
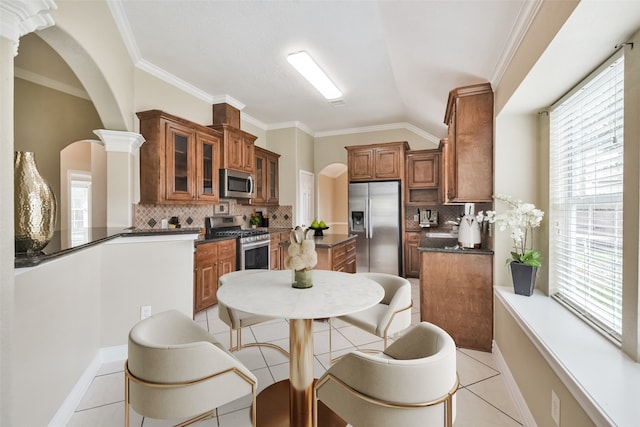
{"x":305,"y":202}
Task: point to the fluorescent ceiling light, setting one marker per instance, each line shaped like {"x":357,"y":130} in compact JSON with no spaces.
{"x":306,"y":66}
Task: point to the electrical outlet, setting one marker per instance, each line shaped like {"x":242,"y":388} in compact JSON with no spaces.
{"x":555,"y":408}
{"x":416,"y":218}
{"x":145,"y":311}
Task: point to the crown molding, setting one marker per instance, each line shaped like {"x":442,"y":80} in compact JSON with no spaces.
{"x":119,"y":16}
{"x":526,"y":15}
{"x":379,"y":128}
{"x":20,"y":17}
{"x":252,"y":120}
{"x":41,"y":80}
{"x":292,"y":124}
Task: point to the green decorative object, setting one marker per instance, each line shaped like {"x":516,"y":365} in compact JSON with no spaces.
{"x":34,"y":206}
{"x":302,"y":279}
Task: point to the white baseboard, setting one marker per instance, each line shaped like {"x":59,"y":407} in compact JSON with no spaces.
{"x":512,"y":388}
{"x":68,"y":407}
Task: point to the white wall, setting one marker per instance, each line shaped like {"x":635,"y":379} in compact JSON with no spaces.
{"x":67,"y":309}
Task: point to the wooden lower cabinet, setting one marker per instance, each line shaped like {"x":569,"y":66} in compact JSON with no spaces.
{"x":212,"y":260}
{"x":339,"y":257}
{"x":456,"y":293}
{"x":411,"y":254}
{"x":277,"y":252}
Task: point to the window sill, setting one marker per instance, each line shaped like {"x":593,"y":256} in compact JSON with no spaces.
{"x":604,"y":380}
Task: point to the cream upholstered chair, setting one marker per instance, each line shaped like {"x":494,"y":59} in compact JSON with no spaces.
{"x":410,"y":384}
{"x":236,"y":319}
{"x":176,"y":369}
{"x":391,"y":315}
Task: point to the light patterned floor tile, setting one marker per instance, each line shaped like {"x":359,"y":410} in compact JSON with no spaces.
{"x":472,"y":371}
{"x":474,"y":412}
{"x":494,"y":391}
{"x":104,"y":390}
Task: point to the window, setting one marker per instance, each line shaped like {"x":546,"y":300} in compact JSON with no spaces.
{"x":80,"y":203}
{"x":586,"y":197}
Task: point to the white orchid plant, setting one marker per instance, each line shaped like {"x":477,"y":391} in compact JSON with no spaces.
{"x":302,"y":250}
{"x":521,"y":218}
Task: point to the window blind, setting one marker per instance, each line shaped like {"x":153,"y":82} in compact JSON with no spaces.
{"x":586,"y":197}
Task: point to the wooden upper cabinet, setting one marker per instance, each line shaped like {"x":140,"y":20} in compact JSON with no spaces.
{"x":377,"y":162}
{"x":423,"y":169}
{"x":423,"y":173}
{"x":267,"y":170}
{"x":237,"y":148}
{"x":468,"y":150}
{"x":179,"y":160}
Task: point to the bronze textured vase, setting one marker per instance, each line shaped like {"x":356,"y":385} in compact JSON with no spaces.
{"x":34,"y":205}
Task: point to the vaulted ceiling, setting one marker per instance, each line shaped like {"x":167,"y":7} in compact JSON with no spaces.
{"x":395,"y":61}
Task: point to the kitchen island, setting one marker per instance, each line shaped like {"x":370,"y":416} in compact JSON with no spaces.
{"x":456,"y":291}
{"x":335,"y":252}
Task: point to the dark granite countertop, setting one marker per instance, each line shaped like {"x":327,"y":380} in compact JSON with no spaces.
{"x":62,"y":244}
{"x":328,"y":240}
{"x":448,"y":245}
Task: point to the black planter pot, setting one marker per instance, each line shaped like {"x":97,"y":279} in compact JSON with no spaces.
{"x":524,"y":278}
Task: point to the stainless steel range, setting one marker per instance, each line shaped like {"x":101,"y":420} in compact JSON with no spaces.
{"x":252,"y":246}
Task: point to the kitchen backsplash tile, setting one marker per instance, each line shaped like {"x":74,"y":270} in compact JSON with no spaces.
{"x":192,"y":216}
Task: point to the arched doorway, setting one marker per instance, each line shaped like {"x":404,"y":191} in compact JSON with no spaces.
{"x":83,"y":187}
{"x":333,"y":198}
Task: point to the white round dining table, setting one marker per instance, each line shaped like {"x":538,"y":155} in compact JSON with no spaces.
{"x":270,"y":293}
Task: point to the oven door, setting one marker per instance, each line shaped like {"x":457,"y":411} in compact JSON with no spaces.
{"x":254,"y":255}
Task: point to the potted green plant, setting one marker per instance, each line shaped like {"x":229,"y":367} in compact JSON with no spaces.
{"x":520,"y":219}
{"x":254,"y":220}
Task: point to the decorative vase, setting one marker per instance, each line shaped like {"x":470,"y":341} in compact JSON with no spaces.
{"x":34,"y":206}
{"x":302,"y":279}
{"x":524,"y":278}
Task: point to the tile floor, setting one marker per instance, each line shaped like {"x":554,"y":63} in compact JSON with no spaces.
{"x":482,"y":401}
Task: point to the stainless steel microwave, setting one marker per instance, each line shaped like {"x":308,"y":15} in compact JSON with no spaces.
{"x":235,"y":184}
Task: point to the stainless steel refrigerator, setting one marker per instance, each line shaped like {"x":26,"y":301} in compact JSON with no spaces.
{"x":374,"y":216}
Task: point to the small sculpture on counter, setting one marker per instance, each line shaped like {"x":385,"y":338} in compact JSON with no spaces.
{"x":302,"y":257}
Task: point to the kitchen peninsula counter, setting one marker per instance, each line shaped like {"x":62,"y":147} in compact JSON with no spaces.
{"x":335,"y":252}
{"x":456,"y":291}
{"x":446,"y":245}
{"x":61,"y":244}
{"x":331,"y":240}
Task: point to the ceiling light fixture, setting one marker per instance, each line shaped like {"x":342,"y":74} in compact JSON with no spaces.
{"x":306,"y":66}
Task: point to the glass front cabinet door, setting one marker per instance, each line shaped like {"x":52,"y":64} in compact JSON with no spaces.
{"x":207,"y":177}
{"x":180,"y":156}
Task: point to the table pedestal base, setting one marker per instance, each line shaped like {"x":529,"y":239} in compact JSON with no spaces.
{"x":273,"y":408}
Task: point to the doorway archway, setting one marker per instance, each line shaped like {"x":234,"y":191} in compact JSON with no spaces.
{"x":333,"y":198}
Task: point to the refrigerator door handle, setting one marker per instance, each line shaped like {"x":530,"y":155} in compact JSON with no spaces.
{"x":370,"y":225}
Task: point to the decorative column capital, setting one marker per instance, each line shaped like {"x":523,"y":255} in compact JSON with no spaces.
{"x":120,"y":141}
{"x":20,"y":17}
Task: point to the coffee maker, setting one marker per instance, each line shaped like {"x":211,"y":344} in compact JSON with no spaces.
{"x":428,"y":218}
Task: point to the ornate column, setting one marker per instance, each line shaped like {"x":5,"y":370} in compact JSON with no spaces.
{"x":123,"y":180}
{"x":17,"y":18}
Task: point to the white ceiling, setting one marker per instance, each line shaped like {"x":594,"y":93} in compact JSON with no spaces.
{"x":395,"y":61}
